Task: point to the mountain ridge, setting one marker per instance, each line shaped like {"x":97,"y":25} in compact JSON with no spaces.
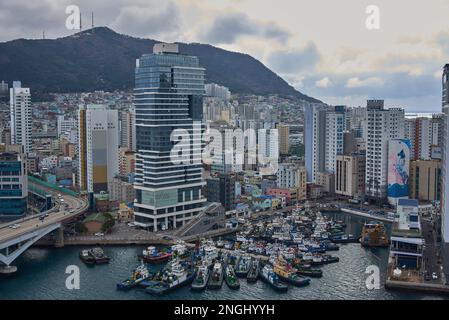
{"x":102,"y":59}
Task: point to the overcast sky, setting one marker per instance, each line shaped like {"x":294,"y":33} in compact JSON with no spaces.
{"x":322,"y":47}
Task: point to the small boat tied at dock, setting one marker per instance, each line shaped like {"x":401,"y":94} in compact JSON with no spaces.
{"x":267,"y":275}
{"x":374,"y":234}
{"x":231,"y":279}
{"x":202,"y":277}
{"x":288,"y":274}
{"x":253,"y":272}
{"x":94,"y":256}
{"x":216,"y":278}
{"x":345,"y":238}
{"x":176,"y":274}
{"x":140,"y":274}
{"x":243,"y":266}
{"x":154,"y":256}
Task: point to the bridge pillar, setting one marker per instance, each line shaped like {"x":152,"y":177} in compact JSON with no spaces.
{"x":8,"y":271}
{"x":59,"y":241}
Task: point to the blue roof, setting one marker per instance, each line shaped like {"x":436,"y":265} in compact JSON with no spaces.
{"x":408,"y":202}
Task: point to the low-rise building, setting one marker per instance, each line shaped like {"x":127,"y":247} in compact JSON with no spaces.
{"x":406,"y":239}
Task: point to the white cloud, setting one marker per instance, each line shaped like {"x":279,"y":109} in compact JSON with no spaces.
{"x":323,"y":83}
{"x":355,"y":82}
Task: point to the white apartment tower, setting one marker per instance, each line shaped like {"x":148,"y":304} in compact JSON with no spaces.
{"x":21,"y":121}
{"x":383,"y":125}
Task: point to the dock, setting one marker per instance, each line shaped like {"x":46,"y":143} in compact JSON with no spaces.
{"x":366,"y":215}
{"x":430,"y":288}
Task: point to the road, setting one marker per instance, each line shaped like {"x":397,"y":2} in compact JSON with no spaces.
{"x":60,"y":213}
{"x":430,"y":254}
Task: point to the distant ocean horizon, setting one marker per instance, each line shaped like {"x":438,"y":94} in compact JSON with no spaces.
{"x":419,"y":114}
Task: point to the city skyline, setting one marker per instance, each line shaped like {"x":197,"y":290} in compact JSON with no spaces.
{"x":336,"y":60}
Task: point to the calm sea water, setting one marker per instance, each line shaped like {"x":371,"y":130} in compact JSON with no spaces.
{"x":42,"y":276}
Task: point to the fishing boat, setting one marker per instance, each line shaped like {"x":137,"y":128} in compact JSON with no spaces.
{"x":180,"y":249}
{"x":231,"y":279}
{"x":201,"y":278}
{"x":345,"y":238}
{"x":324,"y":259}
{"x":374,"y":234}
{"x":175,"y":275}
{"x":140,"y":274}
{"x":309,"y":272}
{"x":216,"y":278}
{"x":243,"y":266}
{"x":154,"y":256}
{"x":220,"y":244}
{"x":268,"y":276}
{"x":288,"y":274}
{"x":86,"y":257}
{"x":99,"y":256}
{"x":253,"y":271}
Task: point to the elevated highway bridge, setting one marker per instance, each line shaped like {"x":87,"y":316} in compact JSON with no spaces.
{"x":17,"y":236}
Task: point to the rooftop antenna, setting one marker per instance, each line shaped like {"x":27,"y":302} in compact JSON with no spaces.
{"x":81,"y":24}
{"x":43,"y":34}
{"x":92,"y":19}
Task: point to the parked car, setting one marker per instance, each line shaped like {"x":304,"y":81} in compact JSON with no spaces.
{"x":434,"y":276}
{"x":14,"y":226}
{"x":99,"y":234}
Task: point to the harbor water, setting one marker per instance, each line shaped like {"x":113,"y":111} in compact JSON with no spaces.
{"x":42,"y":275}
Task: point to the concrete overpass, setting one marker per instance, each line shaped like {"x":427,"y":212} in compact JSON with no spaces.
{"x":17,"y":236}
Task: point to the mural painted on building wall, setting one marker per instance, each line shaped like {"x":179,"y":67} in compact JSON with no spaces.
{"x":398,"y":168}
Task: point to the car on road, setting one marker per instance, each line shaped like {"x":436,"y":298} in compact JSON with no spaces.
{"x":14,"y":226}
{"x":131,"y":224}
{"x":99,"y":234}
{"x":167,"y":238}
{"x":427,"y":277}
{"x":434,"y":276}
{"x":71,"y":211}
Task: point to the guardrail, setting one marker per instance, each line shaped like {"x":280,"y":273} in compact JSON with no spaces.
{"x":53,"y":186}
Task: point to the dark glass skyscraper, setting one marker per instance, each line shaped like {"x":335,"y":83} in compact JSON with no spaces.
{"x":168,"y":96}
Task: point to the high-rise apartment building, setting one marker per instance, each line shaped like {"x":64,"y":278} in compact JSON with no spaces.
{"x":425,"y":180}
{"x":284,"y":139}
{"x":21,"y":121}
{"x":350,"y":175}
{"x":383,"y":125}
{"x":128,"y":130}
{"x":314,"y":139}
{"x":97,"y":147}
{"x":169,"y":103}
{"x":334,"y":137}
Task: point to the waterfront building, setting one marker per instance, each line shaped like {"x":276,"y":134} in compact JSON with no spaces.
{"x":289,"y":175}
{"x":97,"y":147}
{"x":168,"y":95}
{"x":284,"y":139}
{"x":327,"y":181}
{"x":21,"y":121}
{"x":425,"y":180}
{"x":291,"y":195}
{"x":406,"y":239}
{"x":350,"y":175}
{"x":221,"y":189}
{"x":13,"y":184}
{"x":383,"y":125}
